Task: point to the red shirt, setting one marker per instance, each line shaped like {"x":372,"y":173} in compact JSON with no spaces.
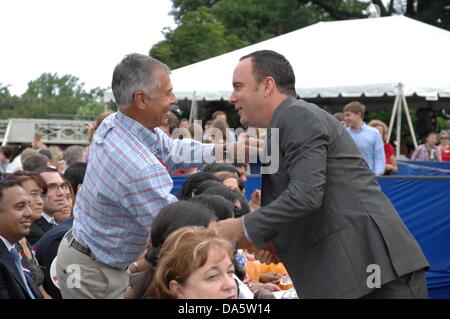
{"x":445,"y":154}
{"x":388,"y":152}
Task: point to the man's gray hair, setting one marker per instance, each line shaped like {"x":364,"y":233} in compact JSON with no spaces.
{"x":135,"y":72}
{"x":74,"y":154}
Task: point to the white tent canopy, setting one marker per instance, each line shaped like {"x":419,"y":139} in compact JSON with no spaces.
{"x":347,"y":58}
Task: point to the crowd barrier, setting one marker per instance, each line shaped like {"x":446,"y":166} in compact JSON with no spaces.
{"x":424,"y":205}
{"x":412,"y":168}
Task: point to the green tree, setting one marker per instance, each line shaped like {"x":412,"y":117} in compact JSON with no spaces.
{"x":90,"y":110}
{"x":435,"y":12}
{"x":207,"y":28}
{"x":49,"y":96}
{"x":199,"y":36}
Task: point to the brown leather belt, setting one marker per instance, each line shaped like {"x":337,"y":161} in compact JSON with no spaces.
{"x":75,"y":244}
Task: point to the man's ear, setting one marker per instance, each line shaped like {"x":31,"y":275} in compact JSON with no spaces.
{"x":139,"y":99}
{"x":176,"y":289}
{"x":269,"y":85}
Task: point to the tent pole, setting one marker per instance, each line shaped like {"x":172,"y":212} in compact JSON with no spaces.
{"x":399,"y":125}
{"x":408,"y":117}
{"x":8,"y":130}
{"x":194,"y":109}
{"x":394,"y":112}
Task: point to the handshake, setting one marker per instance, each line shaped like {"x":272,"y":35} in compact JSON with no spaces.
{"x":244,"y":151}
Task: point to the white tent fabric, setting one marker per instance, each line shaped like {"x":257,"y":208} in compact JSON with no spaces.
{"x":348,"y":58}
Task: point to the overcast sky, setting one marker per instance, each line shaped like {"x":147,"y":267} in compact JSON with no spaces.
{"x":84,"y":38}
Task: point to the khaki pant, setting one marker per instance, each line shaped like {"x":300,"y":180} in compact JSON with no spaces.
{"x":82,"y":277}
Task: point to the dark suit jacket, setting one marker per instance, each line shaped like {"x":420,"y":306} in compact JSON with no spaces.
{"x":46,"y":250}
{"x":324,"y":211}
{"x":11,"y":283}
{"x":38,"y":228}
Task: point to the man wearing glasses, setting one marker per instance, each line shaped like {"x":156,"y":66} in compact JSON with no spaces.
{"x":54,"y":202}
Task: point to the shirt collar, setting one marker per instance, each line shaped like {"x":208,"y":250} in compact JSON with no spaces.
{"x":7,"y":243}
{"x":146,"y":135}
{"x":364,"y":125}
{"x":49,"y":218}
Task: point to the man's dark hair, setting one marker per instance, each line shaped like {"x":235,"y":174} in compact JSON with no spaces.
{"x":189,"y":187}
{"x":45,"y":170}
{"x":34,"y":162}
{"x":73,"y":154}
{"x":220,"y":167}
{"x":7,"y":183}
{"x":270,"y":63}
{"x":75,"y":175}
{"x":45,"y":152}
{"x":221,"y":207}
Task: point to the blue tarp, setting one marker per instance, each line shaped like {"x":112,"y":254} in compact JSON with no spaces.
{"x":424,"y":205}
{"x":441,"y":165}
{"x":412,"y":168}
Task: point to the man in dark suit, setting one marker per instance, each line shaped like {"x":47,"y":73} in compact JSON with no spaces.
{"x":38,"y":229}
{"x":322,"y":209}
{"x":15,"y":222}
{"x":54,"y":203}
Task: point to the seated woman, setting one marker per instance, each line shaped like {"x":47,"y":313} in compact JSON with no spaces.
{"x":428,"y":152}
{"x":194,"y":263}
{"x":389,"y":152}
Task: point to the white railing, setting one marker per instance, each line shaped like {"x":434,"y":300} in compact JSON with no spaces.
{"x":55,"y":131}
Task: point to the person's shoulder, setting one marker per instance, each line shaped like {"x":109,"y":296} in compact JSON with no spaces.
{"x":295,"y":109}
{"x":370,"y":129}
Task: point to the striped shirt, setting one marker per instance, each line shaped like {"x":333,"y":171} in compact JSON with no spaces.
{"x":127,"y":182}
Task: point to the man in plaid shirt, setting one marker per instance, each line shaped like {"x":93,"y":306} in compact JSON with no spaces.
{"x":127,"y":182}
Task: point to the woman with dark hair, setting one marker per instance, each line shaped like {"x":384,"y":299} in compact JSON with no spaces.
{"x":169,"y":219}
{"x":193,"y":182}
{"x":36,"y":188}
{"x":221,"y":207}
{"x":241,"y":206}
{"x":206,"y":185}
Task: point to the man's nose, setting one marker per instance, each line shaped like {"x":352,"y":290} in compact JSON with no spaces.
{"x":28,"y":212}
{"x":232,"y":98}
{"x":173,"y":99}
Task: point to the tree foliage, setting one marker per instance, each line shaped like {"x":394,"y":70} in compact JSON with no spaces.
{"x":207,"y":28}
{"x":435,"y":12}
{"x":199,"y":36}
{"x":49,"y":96}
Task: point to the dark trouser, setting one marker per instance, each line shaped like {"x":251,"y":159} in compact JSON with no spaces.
{"x":409,"y":286}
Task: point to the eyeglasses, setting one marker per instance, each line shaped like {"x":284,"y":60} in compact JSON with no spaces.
{"x":54,"y":186}
{"x":444,"y":137}
{"x":35,"y":196}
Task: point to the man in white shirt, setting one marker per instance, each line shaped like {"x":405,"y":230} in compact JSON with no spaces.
{"x":54,"y":203}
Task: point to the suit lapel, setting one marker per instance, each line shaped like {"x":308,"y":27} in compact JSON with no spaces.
{"x":9,"y":261}
{"x":43,"y":224}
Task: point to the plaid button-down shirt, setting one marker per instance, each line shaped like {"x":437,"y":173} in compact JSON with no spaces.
{"x":126,"y":184}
